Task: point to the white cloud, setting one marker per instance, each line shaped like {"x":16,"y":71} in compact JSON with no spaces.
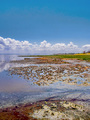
{"x":8,"y":45}
{"x":1,"y":47}
{"x":44,"y":45}
{"x":86,"y":47}
{"x":71,"y":45}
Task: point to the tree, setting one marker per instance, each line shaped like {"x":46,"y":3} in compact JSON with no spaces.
{"x":84,"y":52}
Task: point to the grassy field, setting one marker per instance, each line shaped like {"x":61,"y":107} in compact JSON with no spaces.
{"x":74,"y":56}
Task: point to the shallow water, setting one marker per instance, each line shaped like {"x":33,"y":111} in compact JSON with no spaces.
{"x":15,"y":89}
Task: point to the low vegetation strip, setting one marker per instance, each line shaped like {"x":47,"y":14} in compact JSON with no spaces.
{"x":74,"y":56}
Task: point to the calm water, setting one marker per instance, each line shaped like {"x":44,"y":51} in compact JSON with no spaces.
{"x":15,"y":90}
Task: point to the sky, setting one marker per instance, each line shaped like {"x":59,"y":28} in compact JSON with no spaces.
{"x":44,"y":26}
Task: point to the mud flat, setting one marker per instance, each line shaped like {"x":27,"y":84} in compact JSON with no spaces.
{"x":46,"y":72}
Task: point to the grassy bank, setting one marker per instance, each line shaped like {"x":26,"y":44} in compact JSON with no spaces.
{"x":75,"y":56}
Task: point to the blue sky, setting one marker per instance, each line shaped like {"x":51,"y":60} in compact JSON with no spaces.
{"x":56,"y":21}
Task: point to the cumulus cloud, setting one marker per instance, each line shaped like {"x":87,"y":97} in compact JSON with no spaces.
{"x":8,"y":45}
{"x":86,"y":47}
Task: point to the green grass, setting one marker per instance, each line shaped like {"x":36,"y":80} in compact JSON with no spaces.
{"x":80,"y":57}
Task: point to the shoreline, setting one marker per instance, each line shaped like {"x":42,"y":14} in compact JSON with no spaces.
{"x":46,"y":74}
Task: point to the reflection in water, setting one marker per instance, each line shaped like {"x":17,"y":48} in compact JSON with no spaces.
{"x":8,"y":58}
{"x":6,"y":66}
{"x":5,"y":62}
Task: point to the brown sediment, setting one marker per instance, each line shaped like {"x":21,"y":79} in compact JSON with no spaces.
{"x":41,"y":60}
{"x":48,"y":74}
{"x":49,"y":108}
{"x":20,"y":112}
